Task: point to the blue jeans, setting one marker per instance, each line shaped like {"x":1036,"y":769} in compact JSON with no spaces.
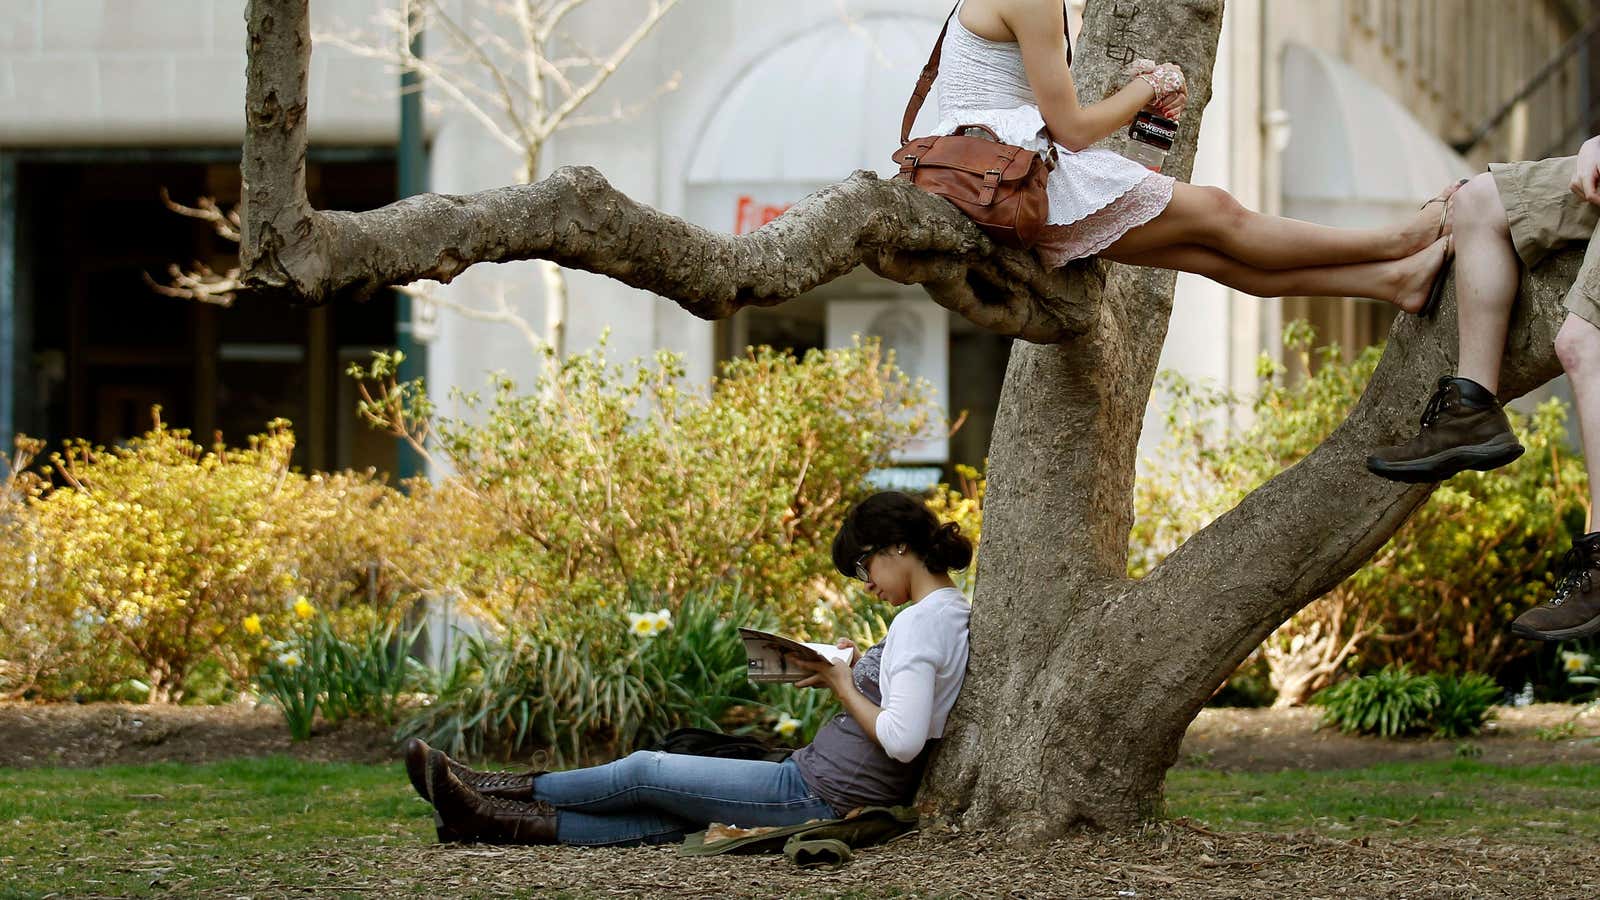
{"x":656,"y":798}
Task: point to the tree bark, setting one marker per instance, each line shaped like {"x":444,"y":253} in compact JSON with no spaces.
{"x":1082,"y":681}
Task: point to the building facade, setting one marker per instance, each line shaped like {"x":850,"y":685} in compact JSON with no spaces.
{"x":103,"y":103}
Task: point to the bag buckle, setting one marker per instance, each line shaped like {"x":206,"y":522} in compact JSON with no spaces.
{"x":991,"y":184}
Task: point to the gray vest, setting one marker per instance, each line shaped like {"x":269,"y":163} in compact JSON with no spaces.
{"x":847,"y":768}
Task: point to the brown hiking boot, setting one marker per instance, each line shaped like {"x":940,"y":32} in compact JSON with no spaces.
{"x":510,"y":785}
{"x":1574,"y":611}
{"x":1463,"y":427}
{"x":466,"y":816}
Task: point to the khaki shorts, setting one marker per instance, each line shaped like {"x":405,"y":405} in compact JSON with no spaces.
{"x":1545,"y":215}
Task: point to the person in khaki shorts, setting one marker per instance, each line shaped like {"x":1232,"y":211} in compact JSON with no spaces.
{"x":1512,"y":216}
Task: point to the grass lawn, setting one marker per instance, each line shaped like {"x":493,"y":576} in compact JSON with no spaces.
{"x":1534,"y":805}
{"x":278,"y":826}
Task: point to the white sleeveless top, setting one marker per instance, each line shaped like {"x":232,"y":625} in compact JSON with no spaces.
{"x":983,"y":82}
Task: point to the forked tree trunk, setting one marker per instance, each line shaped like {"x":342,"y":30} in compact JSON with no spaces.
{"x":1082,"y":682}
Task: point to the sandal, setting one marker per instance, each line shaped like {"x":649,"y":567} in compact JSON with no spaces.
{"x":1436,"y":290}
{"x":1444,"y":211}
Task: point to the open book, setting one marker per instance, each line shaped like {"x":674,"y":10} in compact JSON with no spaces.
{"x":773,"y":656}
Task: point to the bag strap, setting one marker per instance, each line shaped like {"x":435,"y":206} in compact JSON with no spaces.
{"x":931,"y":71}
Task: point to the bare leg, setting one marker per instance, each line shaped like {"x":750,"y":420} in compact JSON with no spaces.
{"x":1211,"y":217}
{"x":1578,"y":347}
{"x":1403,"y":282}
{"x":1487,"y":275}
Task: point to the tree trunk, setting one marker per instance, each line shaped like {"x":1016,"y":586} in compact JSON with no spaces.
{"x":1082,"y":681}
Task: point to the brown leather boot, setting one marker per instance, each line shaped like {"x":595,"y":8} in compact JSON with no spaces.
{"x":1463,"y":427}
{"x":1574,"y":611}
{"x":466,"y":816}
{"x":511,"y":785}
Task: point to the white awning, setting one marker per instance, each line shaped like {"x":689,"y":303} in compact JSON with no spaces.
{"x":820,"y":106}
{"x":1356,"y":157}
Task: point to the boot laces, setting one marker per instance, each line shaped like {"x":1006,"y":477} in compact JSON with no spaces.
{"x":1437,"y":404}
{"x":498,"y":803}
{"x":495,"y":781}
{"x":1576,"y":567}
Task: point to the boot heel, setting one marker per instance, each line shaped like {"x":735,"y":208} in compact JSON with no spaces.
{"x":448,"y":834}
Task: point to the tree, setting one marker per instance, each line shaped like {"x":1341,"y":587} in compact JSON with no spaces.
{"x":1082,"y":681}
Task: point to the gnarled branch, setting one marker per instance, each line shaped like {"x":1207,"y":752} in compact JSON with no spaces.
{"x":576,"y":219}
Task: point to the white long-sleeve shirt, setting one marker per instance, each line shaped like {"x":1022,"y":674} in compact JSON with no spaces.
{"x":924,"y":662}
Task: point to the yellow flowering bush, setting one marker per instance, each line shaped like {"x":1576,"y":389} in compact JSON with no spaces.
{"x":161,"y":555}
{"x":34,"y":641}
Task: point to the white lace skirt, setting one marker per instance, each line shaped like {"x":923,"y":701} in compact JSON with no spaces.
{"x":1096,"y":196}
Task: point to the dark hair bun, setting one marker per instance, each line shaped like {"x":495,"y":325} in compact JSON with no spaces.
{"x":888,"y":518}
{"x":951,"y":549}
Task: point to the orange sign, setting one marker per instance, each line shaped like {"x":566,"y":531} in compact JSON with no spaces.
{"x":750,"y":215}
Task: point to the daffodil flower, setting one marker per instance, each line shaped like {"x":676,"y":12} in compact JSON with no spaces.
{"x":303,"y":608}
{"x":787,"y":725}
{"x":289,"y":660}
{"x":1574,"y":663}
{"x":252,"y":624}
{"x":642,"y":624}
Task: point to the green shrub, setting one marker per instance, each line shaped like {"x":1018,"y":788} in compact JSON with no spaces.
{"x":1464,"y":704}
{"x":1441,"y":592}
{"x":1395,"y":702}
{"x":1390,"y":703}
{"x":664,"y":663}
{"x":792,"y":716}
{"x":604,"y":476}
{"x":362,"y":677}
{"x":596,"y":693}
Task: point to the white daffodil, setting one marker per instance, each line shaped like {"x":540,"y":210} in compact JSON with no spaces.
{"x":1574,"y":663}
{"x":787,"y":725}
{"x":642,"y":624}
{"x":662,"y":619}
{"x":289,"y":660}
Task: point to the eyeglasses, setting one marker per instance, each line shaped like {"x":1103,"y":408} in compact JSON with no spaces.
{"x":861,"y":564}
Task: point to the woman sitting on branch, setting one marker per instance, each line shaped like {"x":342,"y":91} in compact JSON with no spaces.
{"x":1006,"y":66}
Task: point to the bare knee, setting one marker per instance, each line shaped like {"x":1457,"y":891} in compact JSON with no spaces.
{"x":1578,"y":346}
{"x":1477,"y":208}
{"x":1223,"y":210}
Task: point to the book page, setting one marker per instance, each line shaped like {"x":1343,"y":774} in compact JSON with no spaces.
{"x":773,"y":657}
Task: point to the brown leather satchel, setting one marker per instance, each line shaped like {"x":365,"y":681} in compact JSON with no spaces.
{"x":999,"y":186}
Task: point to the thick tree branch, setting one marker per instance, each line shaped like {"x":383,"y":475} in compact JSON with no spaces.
{"x":575,"y":218}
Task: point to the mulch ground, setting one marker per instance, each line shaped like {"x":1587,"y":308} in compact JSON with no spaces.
{"x":1271,"y":740}
{"x":107,"y":734}
{"x":1248,"y":740}
{"x":1171,"y":860}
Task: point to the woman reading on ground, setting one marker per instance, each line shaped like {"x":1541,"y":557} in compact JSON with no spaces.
{"x":1005,"y":66}
{"x":896,"y":697}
